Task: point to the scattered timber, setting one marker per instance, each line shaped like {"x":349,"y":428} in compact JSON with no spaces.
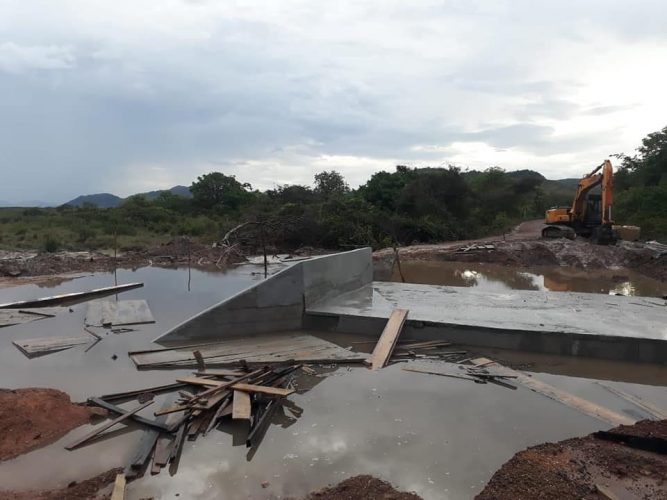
{"x":47,"y":345}
{"x":647,"y":407}
{"x":385,"y":346}
{"x":119,"y":396}
{"x":441,"y":374}
{"x":580,"y":404}
{"x":141,"y":420}
{"x":71,"y":298}
{"x":118,"y":313}
{"x":9,"y":317}
{"x":106,"y":426}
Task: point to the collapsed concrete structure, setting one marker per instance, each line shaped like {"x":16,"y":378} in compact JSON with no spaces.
{"x":337,"y":293}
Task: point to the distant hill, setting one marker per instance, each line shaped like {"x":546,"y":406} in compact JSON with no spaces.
{"x":108,"y":200}
{"x":177,"y":190}
{"x":102,"y":200}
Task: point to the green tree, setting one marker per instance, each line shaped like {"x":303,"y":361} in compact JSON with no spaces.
{"x":330,"y":184}
{"x":216,"y":190}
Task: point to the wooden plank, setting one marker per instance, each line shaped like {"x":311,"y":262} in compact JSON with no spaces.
{"x":227,"y":385}
{"x":263,"y":389}
{"x":647,"y":407}
{"x":387,"y":342}
{"x":150,"y":423}
{"x":137,"y":392}
{"x":200,"y":381}
{"x":225,"y":405}
{"x":70,"y":297}
{"x":575,"y":402}
{"x":275,"y":391}
{"x":417,"y":370}
{"x":117,"y":313}
{"x":220,"y":373}
{"x":106,"y":426}
{"x":118,"y":492}
{"x":241,"y":409}
{"x":260,"y":349}
{"x":47,"y":345}
{"x":423,"y":345}
{"x":201,"y":365}
{"x":9,"y":317}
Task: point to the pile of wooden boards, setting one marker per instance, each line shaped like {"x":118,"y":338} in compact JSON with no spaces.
{"x":205,"y":400}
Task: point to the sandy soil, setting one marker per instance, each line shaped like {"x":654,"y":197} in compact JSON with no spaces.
{"x":361,"y":488}
{"x":524,"y":247}
{"x":95,"y":487}
{"x":175,"y":253}
{"x":584,"y":468}
{"x":31,"y":418}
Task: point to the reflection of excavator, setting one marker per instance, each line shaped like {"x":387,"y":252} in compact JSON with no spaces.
{"x":590,"y":214}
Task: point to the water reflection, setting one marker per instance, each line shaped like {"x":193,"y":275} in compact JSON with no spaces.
{"x":494,"y":277}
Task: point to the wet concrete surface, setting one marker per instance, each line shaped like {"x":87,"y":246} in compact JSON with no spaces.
{"x":442,"y":438}
{"x":498,"y":278}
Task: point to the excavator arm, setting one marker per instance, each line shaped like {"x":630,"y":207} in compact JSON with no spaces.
{"x":573,"y":220}
{"x":587,"y":183}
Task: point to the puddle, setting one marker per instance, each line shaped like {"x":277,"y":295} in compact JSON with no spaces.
{"x":440,"y":437}
{"x":497,"y":278}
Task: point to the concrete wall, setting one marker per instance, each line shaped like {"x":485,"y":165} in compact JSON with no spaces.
{"x":277,"y":303}
{"x":331,"y":275}
{"x":615,"y":348}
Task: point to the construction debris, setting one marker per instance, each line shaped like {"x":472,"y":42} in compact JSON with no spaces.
{"x":46,"y":345}
{"x":9,"y":317}
{"x":257,"y":350}
{"x":253,"y":396}
{"x":580,"y":404}
{"x":109,"y":313}
{"x":106,"y":426}
{"x":71,"y":298}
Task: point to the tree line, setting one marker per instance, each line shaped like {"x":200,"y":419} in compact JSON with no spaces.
{"x":402,"y":207}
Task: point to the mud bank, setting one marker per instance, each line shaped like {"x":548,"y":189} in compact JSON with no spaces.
{"x":84,"y":490}
{"x":361,"y":487}
{"x":31,"y":418}
{"x":526,"y":250}
{"x":585,"y":468}
{"x":173,"y":253}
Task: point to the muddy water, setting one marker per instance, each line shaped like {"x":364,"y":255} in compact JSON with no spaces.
{"x":494,"y":277}
{"x":440,"y":437}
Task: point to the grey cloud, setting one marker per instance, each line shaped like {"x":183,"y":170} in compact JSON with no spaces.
{"x":16,"y":58}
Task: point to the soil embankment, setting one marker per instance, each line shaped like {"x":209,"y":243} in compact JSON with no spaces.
{"x":585,"y":468}
{"x":31,"y":418}
{"x":524,"y":247}
{"x":175,"y":253}
{"x":84,"y":490}
{"x":361,"y":487}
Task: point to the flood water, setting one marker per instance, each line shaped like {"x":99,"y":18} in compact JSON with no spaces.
{"x":440,"y":437}
{"x":498,"y":278}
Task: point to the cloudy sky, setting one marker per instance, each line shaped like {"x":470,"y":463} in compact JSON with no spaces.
{"x":125,"y":96}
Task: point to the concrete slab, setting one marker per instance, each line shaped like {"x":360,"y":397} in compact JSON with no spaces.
{"x":610,"y":327}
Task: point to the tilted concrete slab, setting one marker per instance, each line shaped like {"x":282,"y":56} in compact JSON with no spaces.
{"x":612,"y":327}
{"x":277,"y":303}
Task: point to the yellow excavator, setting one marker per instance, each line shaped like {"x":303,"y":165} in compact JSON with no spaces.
{"x":590,"y":214}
